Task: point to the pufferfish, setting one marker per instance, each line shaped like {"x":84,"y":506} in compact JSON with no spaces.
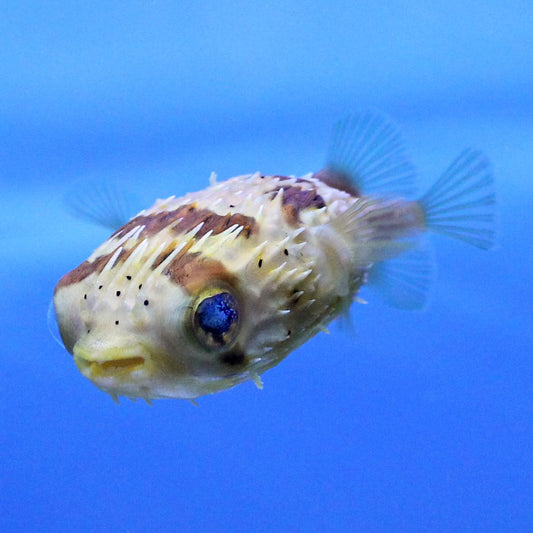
{"x":197,"y":294}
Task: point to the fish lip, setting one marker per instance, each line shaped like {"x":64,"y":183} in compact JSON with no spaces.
{"x":108,"y":364}
{"x":112,"y":365}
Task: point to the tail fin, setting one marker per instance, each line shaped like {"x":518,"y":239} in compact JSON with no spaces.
{"x":367,"y":159}
{"x":461,"y":204}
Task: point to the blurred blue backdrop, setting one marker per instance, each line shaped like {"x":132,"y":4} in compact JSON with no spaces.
{"x":417,"y":421}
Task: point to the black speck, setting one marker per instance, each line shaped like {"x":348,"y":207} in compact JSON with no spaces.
{"x":88,"y":331}
{"x":286,"y":252}
{"x":99,"y":288}
{"x":118,"y":293}
{"x":140,"y":286}
{"x":85,"y":297}
{"x":289,"y":333}
{"x":116,"y":322}
{"x":128,"y":278}
{"x":231,"y":205}
{"x":146,"y":302}
{"x":260,"y":263}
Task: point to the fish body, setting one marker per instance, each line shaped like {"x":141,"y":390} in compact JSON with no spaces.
{"x":197,"y":294}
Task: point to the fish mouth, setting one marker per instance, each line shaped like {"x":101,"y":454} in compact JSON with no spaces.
{"x":109,"y":363}
{"x":113,"y":366}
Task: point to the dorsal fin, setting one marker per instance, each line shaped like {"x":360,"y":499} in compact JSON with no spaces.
{"x":367,"y":156}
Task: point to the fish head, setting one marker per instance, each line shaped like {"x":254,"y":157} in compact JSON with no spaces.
{"x":189,"y":330}
{"x":155,"y":339}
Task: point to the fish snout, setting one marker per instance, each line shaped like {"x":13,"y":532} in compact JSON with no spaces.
{"x":115,"y":361}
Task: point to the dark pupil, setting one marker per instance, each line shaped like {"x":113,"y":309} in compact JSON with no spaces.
{"x":216,"y":314}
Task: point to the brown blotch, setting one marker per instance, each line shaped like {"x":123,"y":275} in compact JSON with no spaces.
{"x":213,"y":222}
{"x":190,"y":217}
{"x":162,"y":256}
{"x":83,"y":271}
{"x":88,"y":267}
{"x":153,"y":223}
{"x":194,"y":271}
{"x":287,"y":178}
{"x":295,"y":199}
{"x":338,"y":180}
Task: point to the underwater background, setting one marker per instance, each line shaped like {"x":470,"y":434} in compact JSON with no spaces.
{"x":413,"y":421}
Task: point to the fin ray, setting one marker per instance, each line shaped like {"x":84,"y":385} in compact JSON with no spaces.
{"x":367,"y":153}
{"x":404,"y":282}
{"x":462,"y":201}
{"x":107,"y":203}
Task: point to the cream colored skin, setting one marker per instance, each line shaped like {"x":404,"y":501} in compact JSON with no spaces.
{"x":295,"y":259}
{"x":310,"y":272}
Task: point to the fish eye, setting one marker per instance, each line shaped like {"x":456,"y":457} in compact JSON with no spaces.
{"x":215,"y":319}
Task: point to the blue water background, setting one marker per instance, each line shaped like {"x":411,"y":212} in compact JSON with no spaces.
{"x":414,"y":422}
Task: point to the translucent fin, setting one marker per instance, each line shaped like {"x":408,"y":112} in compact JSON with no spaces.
{"x":345,"y":320}
{"x":404,"y":281}
{"x":367,"y":154}
{"x":114,"y":397}
{"x":53,"y":327}
{"x":461,"y":203}
{"x":107,"y":203}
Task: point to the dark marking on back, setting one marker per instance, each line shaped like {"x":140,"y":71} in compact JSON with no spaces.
{"x":194,"y":271}
{"x":152,"y":223}
{"x":213,"y":222}
{"x":295,"y":199}
{"x":162,"y":256}
{"x":83,"y":271}
{"x":190,"y":217}
{"x":89,"y":267}
{"x":339,"y":180}
{"x":287,"y":178}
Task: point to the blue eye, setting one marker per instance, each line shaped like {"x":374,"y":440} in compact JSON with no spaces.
{"x":216,"y":314}
{"x":217,"y":317}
